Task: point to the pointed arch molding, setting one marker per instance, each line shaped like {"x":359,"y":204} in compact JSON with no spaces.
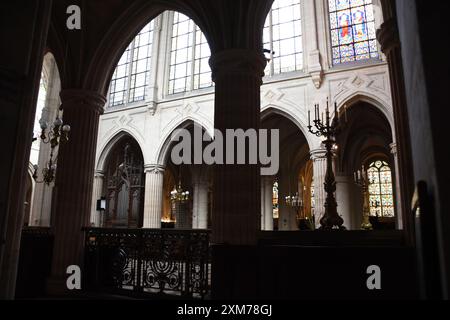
{"x":295,"y":117}
{"x":374,"y":100}
{"x":164,"y":146}
{"x":110,"y":143}
{"x":226,"y":24}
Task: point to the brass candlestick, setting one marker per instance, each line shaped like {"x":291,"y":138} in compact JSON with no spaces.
{"x":329,"y":129}
{"x":362,"y":180}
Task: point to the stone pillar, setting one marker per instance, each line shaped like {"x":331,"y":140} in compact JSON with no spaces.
{"x":20,"y":71}
{"x":97,"y":216}
{"x":152,"y":89}
{"x":267,"y":204}
{"x":397,"y":192}
{"x":74,"y":182}
{"x":319,"y":159}
{"x":314,"y":65}
{"x":344,"y":196}
{"x":390,"y":45}
{"x":153,"y":201}
{"x":237,"y":74}
{"x":200,"y":205}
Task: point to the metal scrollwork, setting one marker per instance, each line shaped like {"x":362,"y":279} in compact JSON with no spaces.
{"x":173,"y":262}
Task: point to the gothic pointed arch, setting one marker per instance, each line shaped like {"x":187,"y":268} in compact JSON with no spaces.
{"x":164,"y":148}
{"x":124,"y":185}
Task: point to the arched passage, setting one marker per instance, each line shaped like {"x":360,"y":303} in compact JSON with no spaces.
{"x":123,"y":186}
{"x":291,"y":180}
{"x":365,"y":139}
{"x":193,"y":178}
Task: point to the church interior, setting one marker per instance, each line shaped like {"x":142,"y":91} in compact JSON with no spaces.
{"x":92,"y":93}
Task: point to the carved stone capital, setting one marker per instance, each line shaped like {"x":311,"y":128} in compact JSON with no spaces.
{"x":99,"y":174}
{"x":393,"y":147}
{"x":154,"y":169}
{"x":318,"y":154}
{"x":78,"y":98}
{"x":151,"y":107}
{"x":315,"y":68}
{"x":388,"y":36}
{"x":238,"y":62}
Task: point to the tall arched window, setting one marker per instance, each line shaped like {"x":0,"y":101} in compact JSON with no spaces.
{"x":189,"y":57}
{"x":124,"y":188}
{"x":380,"y":190}
{"x":352,"y":24}
{"x":283,"y":37}
{"x":131,"y":75}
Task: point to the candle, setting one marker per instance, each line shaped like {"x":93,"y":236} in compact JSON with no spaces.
{"x":309,"y":118}
{"x":336,"y":110}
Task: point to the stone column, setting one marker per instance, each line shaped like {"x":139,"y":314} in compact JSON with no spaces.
{"x":96,"y":216}
{"x":20,"y":71}
{"x":320,"y":169}
{"x":200,"y":205}
{"x":396,"y":181}
{"x":153,"y":201}
{"x":152,"y":89}
{"x":314,"y":66}
{"x":390,"y":45}
{"x":237,"y":74}
{"x":346,"y":207}
{"x":74,"y":182}
{"x":267,"y":204}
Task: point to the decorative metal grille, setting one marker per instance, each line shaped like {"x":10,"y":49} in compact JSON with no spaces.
{"x":170,"y":262}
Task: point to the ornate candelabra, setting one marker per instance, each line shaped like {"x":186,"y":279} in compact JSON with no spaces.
{"x":178,"y":194}
{"x":362,"y":180}
{"x":294,"y":202}
{"x":327,"y":128}
{"x":57,"y":134}
{"x":179,"y":199}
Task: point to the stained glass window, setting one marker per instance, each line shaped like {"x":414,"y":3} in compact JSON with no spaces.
{"x":380,"y":190}
{"x":275,"y":201}
{"x":283,"y":37}
{"x":352,"y":24}
{"x":130,"y":77}
{"x":189,"y":57}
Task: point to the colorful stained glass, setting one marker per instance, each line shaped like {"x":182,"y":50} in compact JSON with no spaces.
{"x":353,"y":35}
{"x":380,"y":190}
{"x":275,"y":200}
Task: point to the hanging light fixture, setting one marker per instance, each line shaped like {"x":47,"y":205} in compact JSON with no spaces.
{"x":55,"y":134}
{"x":178,"y":194}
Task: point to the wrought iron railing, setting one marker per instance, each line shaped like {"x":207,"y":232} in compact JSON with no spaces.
{"x":140,"y":261}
